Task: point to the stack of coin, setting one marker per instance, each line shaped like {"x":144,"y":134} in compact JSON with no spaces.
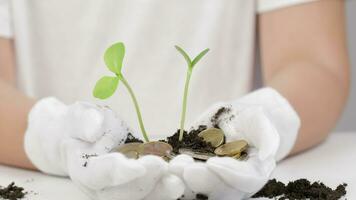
{"x":216,"y":137}
{"x":236,"y":149}
{"x":135,"y":150}
{"x":196,"y":155}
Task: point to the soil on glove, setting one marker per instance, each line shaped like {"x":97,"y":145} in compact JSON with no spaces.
{"x":12,"y":192}
{"x":216,"y":117}
{"x":198,"y":197}
{"x":86,"y":157}
{"x":300,"y":189}
{"x":130,"y":139}
{"x":201,"y":197}
{"x":190,"y":140}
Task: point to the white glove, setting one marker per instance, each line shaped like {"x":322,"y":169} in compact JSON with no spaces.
{"x":112,"y":176}
{"x":51,"y":124}
{"x":76,"y":140}
{"x":270,"y":126}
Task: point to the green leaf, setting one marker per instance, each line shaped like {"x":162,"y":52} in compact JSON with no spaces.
{"x":105,"y":87}
{"x":184,"y":54}
{"x":198,"y":57}
{"x":114,"y":57}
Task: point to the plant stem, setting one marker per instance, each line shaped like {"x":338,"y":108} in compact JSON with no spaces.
{"x":139,"y":116}
{"x":184,"y":109}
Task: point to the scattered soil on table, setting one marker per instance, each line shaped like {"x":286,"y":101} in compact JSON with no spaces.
{"x":130,"y":139}
{"x":12,"y":192}
{"x":190,"y":140}
{"x":300,"y":189}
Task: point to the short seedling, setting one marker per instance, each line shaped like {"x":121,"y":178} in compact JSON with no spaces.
{"x":107,"y":85}
{"x":190,"y":64}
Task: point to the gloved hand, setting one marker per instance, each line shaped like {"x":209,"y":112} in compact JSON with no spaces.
{"x":266,"y":121}
{"x":77,"y":140}
{"x":112,"y":176}
{"x":51,"y":124}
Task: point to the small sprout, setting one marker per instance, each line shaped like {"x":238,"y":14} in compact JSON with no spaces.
{"x":107,"y":85}
{"x":191,"y":65}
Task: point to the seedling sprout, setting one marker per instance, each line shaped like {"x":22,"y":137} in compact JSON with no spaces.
{"x":190,"y":64}
{"x":107,"y":85}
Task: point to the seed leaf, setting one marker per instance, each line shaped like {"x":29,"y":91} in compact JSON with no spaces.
{"x":198,"y":57}
{"x":114,"y":57}
{"x":105,"y":87}
{"x":184,"y":54}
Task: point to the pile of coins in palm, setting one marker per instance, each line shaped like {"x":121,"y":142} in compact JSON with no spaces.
{"x":235,"y":149}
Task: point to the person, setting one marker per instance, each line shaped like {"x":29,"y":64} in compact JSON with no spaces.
{"x":54,"y":48}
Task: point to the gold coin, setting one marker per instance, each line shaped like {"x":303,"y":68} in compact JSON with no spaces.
{"x":231,"y":148}
{"x":134,"y":146}
{"x":131,"y":154}
{"x":196,"y":155}
{"x":161,"y":149}
{"x":130,"y":150}
{"x":213,"y":135}
{"x":237,"y":156}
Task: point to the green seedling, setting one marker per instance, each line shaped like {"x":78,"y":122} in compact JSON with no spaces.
{"x":107,"y":85}
{"x":190,"y":64}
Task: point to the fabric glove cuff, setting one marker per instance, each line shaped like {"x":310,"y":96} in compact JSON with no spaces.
{"x":41,"y":115}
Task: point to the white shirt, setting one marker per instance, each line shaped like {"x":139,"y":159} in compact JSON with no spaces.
{"x":60,"y":45}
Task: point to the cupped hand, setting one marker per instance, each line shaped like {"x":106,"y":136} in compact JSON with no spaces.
{"x":51,"y":124}
{"x":259,"y":118}
{"x":112,"y":176}
{"x":78,"y":141}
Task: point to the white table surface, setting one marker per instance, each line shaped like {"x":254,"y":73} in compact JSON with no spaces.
{"x":333,"y":162}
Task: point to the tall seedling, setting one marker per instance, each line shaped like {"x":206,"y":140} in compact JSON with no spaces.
{"x":107,"y":85}
{"x":190,"y":64}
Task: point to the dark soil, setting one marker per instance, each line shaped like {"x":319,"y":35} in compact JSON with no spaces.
{"x":12,"y":192}
{"x":198,"y":197}
{"x":130,"y":139}
{"x":190,"y":140}
{"x":201,"y":197}
{"x":300,"y":189}
{"x":87,"y":156}
{"x":216,"y":117}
